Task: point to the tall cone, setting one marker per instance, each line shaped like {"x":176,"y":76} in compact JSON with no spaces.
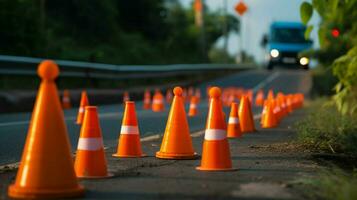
{"x":66,"y":100}
{"x":246,"y":116}
{"x":215,"y":152}
{"x":193,"y":107}
{"x":233,"y":128}
{"x":177,"y":143}
{"x":83,"y":104}
{"x":259,"y":99}
{"x":129,"y":141}
{"x":46,"y":168}
{"x":269,"y":120}
{"x":147,"y":100}
{"x":90,"y":158}
{"x":158,"y":102}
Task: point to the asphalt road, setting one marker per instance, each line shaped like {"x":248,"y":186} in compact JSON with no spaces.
{"x":13,"y":127}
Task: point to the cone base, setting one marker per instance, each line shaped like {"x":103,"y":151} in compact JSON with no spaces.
{"x":249,"y":131}
{"x":128,"y":156}
{"x":270,"y":126}
{"x":216,"y":169}
{"x":234,"y":136}
{"x":31,"y":193}
{"x":175,"y":156}
{"x":96,"y":177}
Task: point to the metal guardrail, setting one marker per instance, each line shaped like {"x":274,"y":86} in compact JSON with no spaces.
{"x":18,"y":65}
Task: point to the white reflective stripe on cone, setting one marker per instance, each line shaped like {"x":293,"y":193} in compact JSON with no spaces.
{"x":129,"y":130}
{"x":147,"y":101}
{"x":193,"y":106}
{"x":215,"y":134}
{"x":65,"y":99}
{"x":90,"y":144}
{"x":233,"y":120}
{"x":157,"y":101}
{"x":81,"y":110}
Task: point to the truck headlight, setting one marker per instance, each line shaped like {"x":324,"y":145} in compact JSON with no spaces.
{"x":274,"y":53}
{"x":304,"y":61}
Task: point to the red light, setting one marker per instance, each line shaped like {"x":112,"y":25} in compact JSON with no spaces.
{"x":335,"y":33}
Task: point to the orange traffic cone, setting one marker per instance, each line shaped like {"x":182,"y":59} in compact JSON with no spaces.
{"x":90,"y":158}
{"x":83,"y":104}
{"x":158,"y":102}
{"x":269,"y":120}
{"x":270,"y":95}
{"x":198,"y":94}
{"x":126,"y":97}
{"x":147,"y":100}
{"x":177,"y":143}
{"x":259,"y":99}
{"x":215,"y":152}
{"x":46,"y":168}
{"x":289,"y":103}
{"x":193,"y":107}
{"x":129,"y":142}
{"x":246,"y":115}
{"x":264,"y":111}
{"x":233,"y":129}
{"x":168,"y":96}
{"x":66,"y":100}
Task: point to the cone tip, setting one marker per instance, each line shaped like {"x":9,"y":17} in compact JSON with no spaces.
{"x":48,"y":70}
{"x":215,"y":92}
{"x":177,"y":91}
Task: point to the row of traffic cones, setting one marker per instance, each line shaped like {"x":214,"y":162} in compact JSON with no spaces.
{"x":275,"y":109}
{"x":54,"y":175}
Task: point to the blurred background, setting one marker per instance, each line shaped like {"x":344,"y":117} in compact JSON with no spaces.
{"x":126,"y":32}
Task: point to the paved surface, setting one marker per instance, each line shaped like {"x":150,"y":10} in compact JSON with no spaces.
{"x":264,"y":173}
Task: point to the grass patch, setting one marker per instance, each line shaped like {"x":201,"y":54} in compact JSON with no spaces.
{"x":331,"y":185}
{"x":326,"y":130}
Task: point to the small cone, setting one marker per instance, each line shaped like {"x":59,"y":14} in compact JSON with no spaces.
{"x":177,"y":143}
{"x":126,"y":97}
{"x":90,"y":158}
{"x":246,"y":116}
{"x":270,"y":95}
{"x":129,"y":142}
{"x":147,"y":100}
{"x":264,"y":111}
{"x":215,"y":152}
{"x":233,"y":129}
{"x":158,"y":102}
{"x":198,"y":94}
{"x":193,"y":107}
{"x":83,"y":104}
{"x":289,"y":103}
{"x":269,"y":120}
{"x":168,"y":96}
{"x":46,"y":168}
{"x":66,"y":100}
{"x":259,"y":99}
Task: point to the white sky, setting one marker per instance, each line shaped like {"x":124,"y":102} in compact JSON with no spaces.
{"x":256,"y":21}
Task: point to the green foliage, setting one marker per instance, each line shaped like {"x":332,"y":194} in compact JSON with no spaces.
{"x":110,"y":31}
{"x":327,"y":130}
{"x":341,"y":51}
{"x":331,"y":185}
{"x":306,"y":12}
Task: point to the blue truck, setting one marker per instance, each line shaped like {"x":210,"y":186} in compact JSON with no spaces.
{"x":284,"y":43}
